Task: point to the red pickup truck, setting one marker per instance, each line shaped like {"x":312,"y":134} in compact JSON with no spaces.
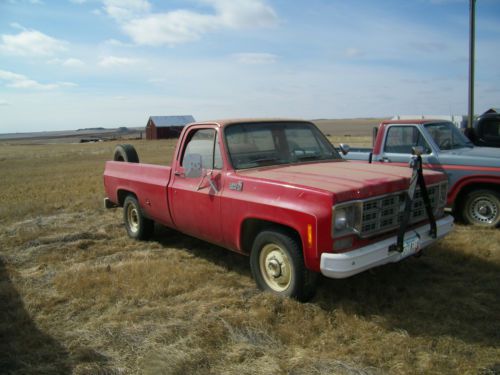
{"x":278,"y":191}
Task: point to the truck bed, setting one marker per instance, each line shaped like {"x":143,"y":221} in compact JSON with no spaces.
{"x":147,"y":182}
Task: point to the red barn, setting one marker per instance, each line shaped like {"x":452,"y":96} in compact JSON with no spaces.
{"x":159,"y":127}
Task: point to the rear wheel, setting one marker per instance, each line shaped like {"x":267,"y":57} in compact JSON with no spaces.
{"x":482,"y":207}
{"x":138,"y":227}
{"x":278,"y":266}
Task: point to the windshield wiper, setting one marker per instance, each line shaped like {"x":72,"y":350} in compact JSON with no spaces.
{"x":308,"y":157}
{"x":266,"y":160}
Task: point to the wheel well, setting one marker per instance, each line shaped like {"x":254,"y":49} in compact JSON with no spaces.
{"x":461,"y":196}
{"x":252,"y":227}
{"x":122,"y":194}
{"x":469,"y":188}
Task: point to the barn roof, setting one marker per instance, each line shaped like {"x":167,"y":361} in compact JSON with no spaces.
{"x":167,"y":121}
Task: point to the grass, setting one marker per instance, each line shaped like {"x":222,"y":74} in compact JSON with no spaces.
{"x":79,"y":297}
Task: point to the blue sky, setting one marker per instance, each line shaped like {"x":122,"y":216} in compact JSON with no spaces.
{"x":71,"y":64}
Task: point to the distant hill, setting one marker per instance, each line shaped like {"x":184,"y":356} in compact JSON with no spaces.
{"x":86,"y":129}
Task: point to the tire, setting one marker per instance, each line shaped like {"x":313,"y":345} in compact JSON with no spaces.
{"x":126,"y":153}
{"x":277,"y":266}
{"x":138,"y":227}
{"x":482,"y":207}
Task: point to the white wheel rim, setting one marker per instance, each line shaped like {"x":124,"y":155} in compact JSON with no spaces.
{"x":275,"y":267}
{"x":133,"y":218}
{"x":484,"y":210}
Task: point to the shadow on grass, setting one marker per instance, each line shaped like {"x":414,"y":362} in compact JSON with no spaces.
{"x":24,"y":349}
{"x":442,"y":293}
{"x":215,"y":254}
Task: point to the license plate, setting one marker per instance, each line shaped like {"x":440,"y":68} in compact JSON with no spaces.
{"x":410,"y":246}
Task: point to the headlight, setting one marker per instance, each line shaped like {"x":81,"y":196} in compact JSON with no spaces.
{"x":346,"y":219}
{"x":340,"y":220}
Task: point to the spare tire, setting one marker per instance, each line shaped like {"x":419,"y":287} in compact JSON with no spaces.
{"x":126,"y":153}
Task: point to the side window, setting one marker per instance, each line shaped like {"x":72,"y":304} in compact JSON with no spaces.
{"x":204,"y":142}
{"x":217,"y":154}
{"x":401,"y":139}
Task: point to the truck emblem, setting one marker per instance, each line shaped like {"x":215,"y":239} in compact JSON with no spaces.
{"x":238,"y":186}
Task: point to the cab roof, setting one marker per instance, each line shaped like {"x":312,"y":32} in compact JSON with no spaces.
{"x":414,"y":121}
{"x":225,"y":122}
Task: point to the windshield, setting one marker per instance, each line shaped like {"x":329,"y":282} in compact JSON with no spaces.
{"x":258,"y":144}
{"x":447,"y":136}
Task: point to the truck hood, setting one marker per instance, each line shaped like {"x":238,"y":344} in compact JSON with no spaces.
{"x":345,"y":179}
{"x":474,"y":156}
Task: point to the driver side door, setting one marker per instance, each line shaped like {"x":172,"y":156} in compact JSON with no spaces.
{"x":398,"y":144}
{"x":195,"y":202}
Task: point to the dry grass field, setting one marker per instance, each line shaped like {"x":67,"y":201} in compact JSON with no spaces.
{"x":78,"y":297}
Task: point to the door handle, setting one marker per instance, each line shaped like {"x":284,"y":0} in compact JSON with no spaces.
{"x":179,"y":174}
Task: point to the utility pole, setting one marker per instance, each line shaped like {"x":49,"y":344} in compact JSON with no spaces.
{"x":472,"y":37}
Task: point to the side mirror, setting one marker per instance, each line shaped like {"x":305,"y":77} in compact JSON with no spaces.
{"x":344,"y":148}
{"x":192,"y":166}
{"x":417,"y":150}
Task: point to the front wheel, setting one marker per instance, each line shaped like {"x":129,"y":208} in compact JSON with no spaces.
{"x":482,"y":207}
{"x":138,"y":226}
{"x":277,"y":266}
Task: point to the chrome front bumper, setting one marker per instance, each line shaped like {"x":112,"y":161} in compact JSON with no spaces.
{"x":339,"y":266}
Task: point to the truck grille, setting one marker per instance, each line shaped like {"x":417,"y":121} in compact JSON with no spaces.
{"x":385,"y":213}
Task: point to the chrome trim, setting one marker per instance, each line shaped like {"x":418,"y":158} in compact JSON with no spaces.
{"x":342,"y":265}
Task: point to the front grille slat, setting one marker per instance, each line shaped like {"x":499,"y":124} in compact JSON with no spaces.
{"x":384,"y":214}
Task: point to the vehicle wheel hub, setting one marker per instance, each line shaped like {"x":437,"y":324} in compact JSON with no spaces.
{"x":133,"y":218}
{"x":484,"y":210}
{"x":275,"y":267}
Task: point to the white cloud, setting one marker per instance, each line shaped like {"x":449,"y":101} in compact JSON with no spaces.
{"x":31,"y":43}
{"x":255,"y":58}
{"x":16,"y":25}
{"x":117,"y":43}
{"x":114,"y":61}
{"x":4,"y":103}
{"x":19,"y":81}
{"x":70,"y":62}
{"x":122,"y":10}
{"x":169,"y":28}
{"x":182,"y":26}
{"x":73,"y":63}
{"x":244,"y":13}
